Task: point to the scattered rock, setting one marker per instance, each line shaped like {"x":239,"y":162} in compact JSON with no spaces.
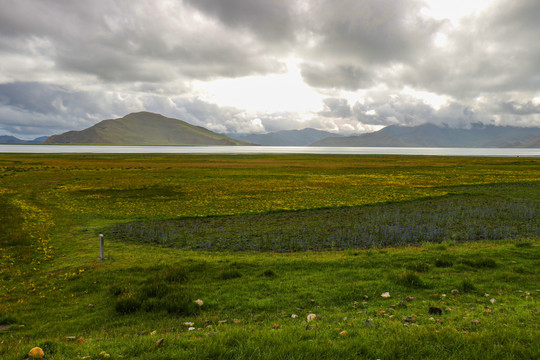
{"x":385,"y":295}
{"x":159,"y":342}
{"x":486,"y":295}
{"x":191,"y":328}
{"x":435,"y":310}
{"x":493,"y":301}
{"x":311,"y":317}
{"x":199,"y":302}
{"x":36,"y":353}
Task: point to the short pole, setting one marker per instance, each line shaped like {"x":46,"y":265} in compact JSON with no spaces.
{"x":101,"y":248}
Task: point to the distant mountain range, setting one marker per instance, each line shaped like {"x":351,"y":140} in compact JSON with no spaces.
{"x":302,"y":137}
{"x":144,"y":128}
{"x":8,"y":139}
{"x":429,"y":135}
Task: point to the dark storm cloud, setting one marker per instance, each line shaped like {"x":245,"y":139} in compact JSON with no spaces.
{"x":273,"y":21}
{"x":369,"y":31}
{"x":336,"y":108}
{"x":131,"y":41}
{"x":348,"y":77}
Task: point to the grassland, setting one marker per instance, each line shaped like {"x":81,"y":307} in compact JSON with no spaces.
{"x":260,"y":239}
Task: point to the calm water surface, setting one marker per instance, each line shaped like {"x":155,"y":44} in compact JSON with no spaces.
{"x":105,"y":149}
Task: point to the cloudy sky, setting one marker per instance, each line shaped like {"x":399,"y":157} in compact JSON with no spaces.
{"x":242,"y":66}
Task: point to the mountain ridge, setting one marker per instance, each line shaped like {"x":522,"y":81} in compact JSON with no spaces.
{"x":303,"y":137}
{"x":431,"y":135}
{"x":143,"y":128}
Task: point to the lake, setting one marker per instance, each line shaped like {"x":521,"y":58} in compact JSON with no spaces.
{"x":111,"y":149}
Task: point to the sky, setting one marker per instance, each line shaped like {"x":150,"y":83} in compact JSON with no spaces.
{"x":254,"y":66}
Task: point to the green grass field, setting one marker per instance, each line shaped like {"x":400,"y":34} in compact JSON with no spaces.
{"x":265,"y":241}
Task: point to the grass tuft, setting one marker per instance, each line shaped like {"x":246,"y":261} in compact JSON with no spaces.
{"x":411,"y":279}
{"x":443,"y":263}
{"x":229,"y":274}
{"x":467,"y":286}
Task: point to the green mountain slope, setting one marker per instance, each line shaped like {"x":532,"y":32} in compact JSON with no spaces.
{"x":144,"y":128}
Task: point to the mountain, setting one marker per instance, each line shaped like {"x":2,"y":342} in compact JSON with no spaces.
{"x":529,"y":143}
{"x":302,"y":137}
{"x":430,"y":135}
{"x":8,"y":139}
{"x":144,"y":128}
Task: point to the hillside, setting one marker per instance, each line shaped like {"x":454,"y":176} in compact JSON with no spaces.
{"x":430,"y":135}
{"x":302,"y":137}
{"x":8,"y":139}
{"x":143,"y":128}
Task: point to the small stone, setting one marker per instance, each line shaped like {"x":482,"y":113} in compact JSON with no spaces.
{"x":294,"y":316}
{"x":431,"y":319}
{"x":153,"y":332}
{"x":486,"y":295}
{"x":36,"y":353}
{"x":435,"y":310}
{"x":311,"y":317}
{"x":199,"y":302}
{"x":493,"y":301}
{"x":159,"y":342}
{"x":188,"y":323}
{"x":191,"y":328}
{"x":385,"y":295}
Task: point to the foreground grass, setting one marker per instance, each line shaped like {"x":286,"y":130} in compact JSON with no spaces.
{"x":56,"y":294}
